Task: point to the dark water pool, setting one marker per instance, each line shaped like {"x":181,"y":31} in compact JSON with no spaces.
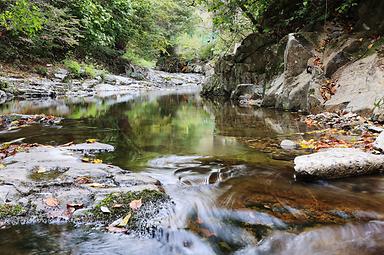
{"x":232,"y":184}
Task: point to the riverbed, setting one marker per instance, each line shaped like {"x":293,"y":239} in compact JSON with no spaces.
{"x":232,"y":185}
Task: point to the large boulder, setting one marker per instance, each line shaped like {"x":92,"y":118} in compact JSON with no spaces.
{"x":360,"y":87}
{"x":338,"y":163}
{"x":296,"y":57}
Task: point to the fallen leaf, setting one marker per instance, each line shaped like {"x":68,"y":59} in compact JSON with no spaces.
{"x":117,"y":206}
{"x":41,"y":170}
{"x":75,"y":206}
{"x":87,"y":160}
{"x":105,"y":209}
{"x":125,"y":221}
{"x":97,"y":185}
{"x":136,"y":204}
{"x":83,"y":180}
{"x":91,"y":140}
{"x":113,"y":229}
{"x":206,"y":233}
{"x":96,"y":161}
{"x":2,"y":166}
{"x":370,"y":46}
{"x":51,"y":201}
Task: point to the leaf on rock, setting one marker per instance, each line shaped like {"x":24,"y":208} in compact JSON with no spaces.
{"x":125,"y":221}
{"x":91,"y":140}
{"x":83,"y":180}
{"x":96,"y":161}
{"x":97,"y":185}
{"x":51,"y":201}
{"x":87,"y":160}
{"x":135,"y":204}
{"x":75,"y":206}
{"x":105,"y":209}
{"x":113,"y":229}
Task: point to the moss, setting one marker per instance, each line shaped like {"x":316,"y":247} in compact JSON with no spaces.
{"x":3,"y":85}
{"x":124,"y":199}
{"x":8,"y":210}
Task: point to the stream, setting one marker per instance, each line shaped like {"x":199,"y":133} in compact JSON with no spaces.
{"x":232,"y":185}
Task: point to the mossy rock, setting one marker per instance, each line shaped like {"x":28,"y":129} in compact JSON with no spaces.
{"x":9,"y":210}
{"x":123,"y":200}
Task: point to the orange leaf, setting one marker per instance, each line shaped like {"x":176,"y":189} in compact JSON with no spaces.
{"x":136,"y":204}
{"x":51,"y":201}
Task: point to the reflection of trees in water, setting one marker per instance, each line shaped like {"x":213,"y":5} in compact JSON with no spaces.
{"x":142,"y":129}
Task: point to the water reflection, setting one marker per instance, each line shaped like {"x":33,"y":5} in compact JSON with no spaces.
{"x":218,"y":164}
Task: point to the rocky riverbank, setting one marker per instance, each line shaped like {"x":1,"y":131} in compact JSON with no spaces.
{"x":45,"y":184}
{"x":68,"y":183}
{"x":60,"y":84}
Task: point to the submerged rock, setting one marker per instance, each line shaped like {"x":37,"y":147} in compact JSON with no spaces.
{"x":338,"y":163}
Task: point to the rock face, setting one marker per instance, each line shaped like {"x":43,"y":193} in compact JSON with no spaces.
{"x":329,"y":69}
{"x":338,"y":163}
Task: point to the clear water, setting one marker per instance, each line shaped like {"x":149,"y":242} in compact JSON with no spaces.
{"x":233,"y":187}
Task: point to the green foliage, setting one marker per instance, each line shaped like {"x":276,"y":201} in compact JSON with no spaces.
{"x":22,"y":17}
{"x":73,"y":67}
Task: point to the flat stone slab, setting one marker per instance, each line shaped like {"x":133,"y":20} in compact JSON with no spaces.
{"x":48,"y":184}
{"x":338,"y":163}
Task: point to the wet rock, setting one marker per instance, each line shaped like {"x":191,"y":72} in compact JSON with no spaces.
{"x":51,"y":183}
{"x":91,"y":148}
{"x":338,"y":163}
{"x":288,"y":145}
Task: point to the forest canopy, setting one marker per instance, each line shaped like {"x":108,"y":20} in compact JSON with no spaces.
{"x":143,"y":30}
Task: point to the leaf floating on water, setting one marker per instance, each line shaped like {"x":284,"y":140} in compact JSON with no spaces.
{"x":113,"y":229}
{"x":51,"y":201}
{"x":125,"y":221}
{"x":135,"y":204}
{"x":91,"y":140}
{"x":105,"y":209}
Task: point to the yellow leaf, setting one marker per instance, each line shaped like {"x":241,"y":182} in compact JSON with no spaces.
{"x":307,"y":144}
{"x":91,"y":140}
{"x":125,"y":221}
{"x":2,"y":166}
{"x":97,"y":161}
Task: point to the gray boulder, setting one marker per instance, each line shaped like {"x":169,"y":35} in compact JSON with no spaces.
{"x":379,"y":143}
{"x":338,"y":163}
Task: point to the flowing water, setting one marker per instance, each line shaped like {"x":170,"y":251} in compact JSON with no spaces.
{"x":233,"y":186}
